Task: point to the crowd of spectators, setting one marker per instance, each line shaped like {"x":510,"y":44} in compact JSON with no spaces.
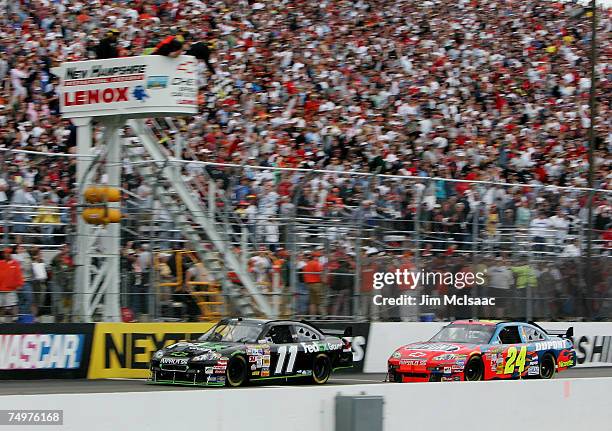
{"x":491,"y":91}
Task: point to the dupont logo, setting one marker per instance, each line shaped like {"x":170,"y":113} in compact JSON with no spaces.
{"x":40,"y":351}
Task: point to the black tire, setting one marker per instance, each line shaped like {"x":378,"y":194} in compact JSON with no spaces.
{"x":474,"y":369}
{"x":548,"y":366}
{"x":321,"y":369}
{"x":236,"y":373}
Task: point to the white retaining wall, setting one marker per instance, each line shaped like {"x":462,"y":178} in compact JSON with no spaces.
{"x":560,"y":405}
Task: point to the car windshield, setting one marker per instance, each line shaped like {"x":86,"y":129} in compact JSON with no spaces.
{"x":473,"y":334}
{"x":233,"y":332}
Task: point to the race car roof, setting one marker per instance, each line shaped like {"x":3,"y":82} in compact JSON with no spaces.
{"x":477,"y":322}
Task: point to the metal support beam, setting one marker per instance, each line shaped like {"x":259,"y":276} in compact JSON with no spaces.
{"x":84,"y":231}
{"x":112,"y":240}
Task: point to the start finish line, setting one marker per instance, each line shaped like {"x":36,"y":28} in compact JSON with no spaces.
{"x":133,"y":87}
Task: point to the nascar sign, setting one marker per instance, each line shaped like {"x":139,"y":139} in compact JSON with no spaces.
{"x":40,"y":351}
{"x":141,"y":86}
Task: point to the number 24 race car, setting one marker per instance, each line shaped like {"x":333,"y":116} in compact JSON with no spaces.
{"x":236,"y":351}
{"x":483,"y":350}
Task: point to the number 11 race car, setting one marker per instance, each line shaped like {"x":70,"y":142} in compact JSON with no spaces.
{"x":237,"y":351}
{"x":484,"y":350}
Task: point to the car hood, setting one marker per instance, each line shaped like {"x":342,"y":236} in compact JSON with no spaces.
{"x":429,"y":350}
{"x":187,"y":349}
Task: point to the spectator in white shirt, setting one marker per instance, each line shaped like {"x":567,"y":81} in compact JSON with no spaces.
{"x":539,"y":231}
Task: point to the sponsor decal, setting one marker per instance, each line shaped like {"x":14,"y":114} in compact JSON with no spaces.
{"x":253,"y":367}
{"x":174,"y":361}
{"x":555,"y":344}
{"x":157,"y":82}
{"x":255,"y":373}
{"x":593,"y":349}
{"x":265,"y":373}
{"x":219,"y":370}
{"x":312,"y":347}
{"x":208,"y":370}
{"x":417,"y":355}
{"x":565,"y":364}
{"x":252,"y":358}
{"x":254,"y":351}
{"x":140,"y":93}
{"x":332,"y":346}
{"x":215,"y":379}
{"x":94,"y":96}
{"x":460,"y":363}
{"x":259,"y":362}
{"x":41,"y":351}
{"x":125,"y":349}
{"x":447,"y":370}
{"x":433,"y":347}
{"x":186,"y":66}
{"x":304,"y":372}
{"x":179,"y":354}
{"x":413,"y":362}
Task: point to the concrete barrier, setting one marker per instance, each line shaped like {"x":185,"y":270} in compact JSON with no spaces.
{"x":561,"y":404}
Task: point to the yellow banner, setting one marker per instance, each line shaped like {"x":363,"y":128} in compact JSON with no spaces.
{"x":125,"y":349}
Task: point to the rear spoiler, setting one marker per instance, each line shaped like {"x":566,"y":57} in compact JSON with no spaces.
{"x":346,"y":332}
{"x":557,"y":333}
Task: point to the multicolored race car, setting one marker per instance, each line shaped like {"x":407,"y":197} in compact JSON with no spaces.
{"x":484,"y":350}
{"x":237,"y":351}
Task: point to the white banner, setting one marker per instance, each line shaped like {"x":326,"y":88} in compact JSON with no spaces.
{"x":592,"y":341}
{"x":141,"y":86}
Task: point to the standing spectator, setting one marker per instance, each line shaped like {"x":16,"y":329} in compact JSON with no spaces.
{"x":11,"y":280}
{"x":560,"y":223}
{"x":107,"y":48}
{"x":24,"y":203}
{"x":538,"y":231}
{"x":342,"y":285}
{"x":39,"y":283}
{"x":500,"y":282}
{"x":21,"y":255}
{"x":313,"y":278}
{"x":62,"y":272}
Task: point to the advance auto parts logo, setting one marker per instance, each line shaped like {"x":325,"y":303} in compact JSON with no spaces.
{"x":125,"y":349}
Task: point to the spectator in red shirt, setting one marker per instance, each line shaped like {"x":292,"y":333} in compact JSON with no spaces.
{"x":11,"y":279}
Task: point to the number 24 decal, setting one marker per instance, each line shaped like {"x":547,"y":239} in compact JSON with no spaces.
{"x":514,"y":361}
{"x":282,"y":354}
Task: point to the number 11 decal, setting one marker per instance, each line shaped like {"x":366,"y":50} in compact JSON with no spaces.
{"x":282,"y":354}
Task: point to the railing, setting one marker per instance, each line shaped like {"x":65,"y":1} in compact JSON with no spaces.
{"x":551,"y":276}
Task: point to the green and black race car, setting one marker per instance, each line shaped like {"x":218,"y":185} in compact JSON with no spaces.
{"x":237,"y":351}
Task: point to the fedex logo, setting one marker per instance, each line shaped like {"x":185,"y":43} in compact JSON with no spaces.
{"x":89,"y":97}
{"x":40,"y":351}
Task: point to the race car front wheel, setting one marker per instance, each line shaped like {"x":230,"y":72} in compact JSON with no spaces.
{"x":321,"y":369}
{"x":474,"y":369}
{"x":547,"y":366}
{"x":236,"y":372}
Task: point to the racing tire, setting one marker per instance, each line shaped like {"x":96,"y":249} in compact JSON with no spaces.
{"x":321,"y":369}
{"x":548,"y":366}
{"x":474,"y":369}
{"x":236,"y":373}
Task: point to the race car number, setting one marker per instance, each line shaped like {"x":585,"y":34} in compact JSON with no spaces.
{"x":515,"y":359}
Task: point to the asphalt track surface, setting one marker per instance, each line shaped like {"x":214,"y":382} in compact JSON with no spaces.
{"x":35,"y":387}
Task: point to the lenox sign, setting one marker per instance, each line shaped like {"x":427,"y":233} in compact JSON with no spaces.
{"x":133,"y":87}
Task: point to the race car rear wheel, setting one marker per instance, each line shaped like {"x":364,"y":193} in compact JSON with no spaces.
{"x":547,"y":366}
{"x":236,"y":372}
{"x":474,"y":369}
{"x":321,"y":369}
